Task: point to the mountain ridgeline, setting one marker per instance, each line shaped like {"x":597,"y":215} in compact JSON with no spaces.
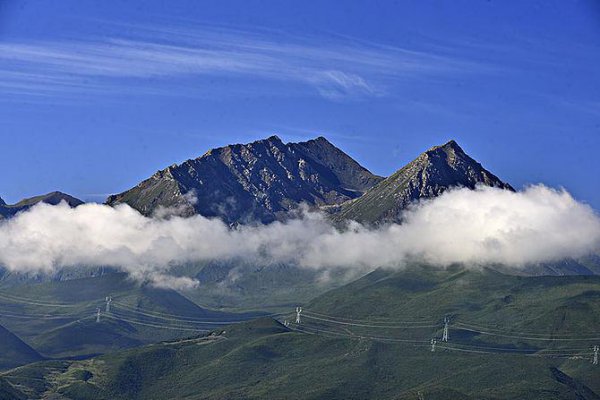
{"x":429,"y":175}
{"x":260,"y":181}
{"x":53,"y":198}
{"x":264,"y":180}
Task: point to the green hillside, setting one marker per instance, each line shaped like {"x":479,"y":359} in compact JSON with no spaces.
{"x":510,"y":338}
{"x":9,"y":392}
{"x":558,"y":305}
{"x":58,"y":318}
{"x":263,"y":359}
{"x":238,"y":286}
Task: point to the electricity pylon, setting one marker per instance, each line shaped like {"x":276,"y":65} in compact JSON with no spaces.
{"x":298,"y":311}
{"x":445,"y":334}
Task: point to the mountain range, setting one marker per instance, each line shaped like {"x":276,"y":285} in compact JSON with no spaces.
{"x":267,"y":180}
{"x":373,"y":336}
{"x":264,"y":180}
{"x":256,"y":182}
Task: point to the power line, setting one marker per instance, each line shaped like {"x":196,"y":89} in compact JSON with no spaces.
{"x":371,"y":325}
{"x":373,"y":320}
{"x":184,"y":320}
{"x":46,"y":317}
{"x":492,"y":329}
{"x":463,"y":326}
{"x":567,"y":353}
{"x":318,"y":330}
{"x":529,"y":337}
{"x":183,"y":317}
{"x":21,"y":300}
{"x":154,"y":325}
{"x":11,"y":314}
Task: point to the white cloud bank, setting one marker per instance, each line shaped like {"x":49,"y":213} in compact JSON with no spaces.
{"x":478,"y":227}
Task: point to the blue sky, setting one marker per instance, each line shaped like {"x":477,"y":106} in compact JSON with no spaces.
{"x":97,"y":95}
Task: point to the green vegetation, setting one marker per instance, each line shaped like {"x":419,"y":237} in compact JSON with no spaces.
{"x":58,"y":319}
{"x":265,"y":359}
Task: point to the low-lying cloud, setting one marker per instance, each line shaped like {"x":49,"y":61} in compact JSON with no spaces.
{"x":474,"y":227}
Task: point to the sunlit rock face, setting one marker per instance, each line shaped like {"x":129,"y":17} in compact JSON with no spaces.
{"x":429,"y":175}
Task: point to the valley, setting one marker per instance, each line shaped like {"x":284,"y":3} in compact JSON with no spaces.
{"x":521,"y":336}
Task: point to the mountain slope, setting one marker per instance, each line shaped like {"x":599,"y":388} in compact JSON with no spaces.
{"x":351,"y":344}
{"x":58,"y":318}
{"x":52,"y":198}
{"x":429,"y":175}
{"x":553,"y":305}
{"x":9,"y":392}
{"x":259,"y":181}
{"x":14,"y":352}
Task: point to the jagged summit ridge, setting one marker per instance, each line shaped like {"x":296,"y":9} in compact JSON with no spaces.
{"x":429,"y":175}
{"x":258,"y":181}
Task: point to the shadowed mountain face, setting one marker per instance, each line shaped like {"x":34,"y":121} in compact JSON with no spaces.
{"x":15,"y":352}
{"x":52,"y":198}
{"x":429,"y":175}
{"x":259,"y":181}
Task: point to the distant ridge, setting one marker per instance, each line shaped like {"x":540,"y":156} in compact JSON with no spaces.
{"x":52,"y":198}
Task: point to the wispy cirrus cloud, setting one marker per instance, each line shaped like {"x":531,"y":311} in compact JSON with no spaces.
{"x":335,"y":68}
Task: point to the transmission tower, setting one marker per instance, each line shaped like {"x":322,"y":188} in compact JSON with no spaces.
{"x":108,"y":301}
{"x":445,"y":334}
{"x":98,"y":314}
{"x":420,"y":395}
{"x":433,"y":342}
{"x":298,"y":311}
{"x":596,"y":348}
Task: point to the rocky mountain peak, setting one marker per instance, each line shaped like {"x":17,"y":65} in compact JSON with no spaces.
{"x":257,"y":181}
{"x":428,"y":175}
{"x":263,"y":180}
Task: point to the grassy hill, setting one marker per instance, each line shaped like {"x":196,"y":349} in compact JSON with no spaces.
{"x":263,"y":359}
{"x":372,"y":341}
{"x":9,"y":392}
{"x":558,"y":305}
{"x":238,"y":286}
{"x":58,"y":318}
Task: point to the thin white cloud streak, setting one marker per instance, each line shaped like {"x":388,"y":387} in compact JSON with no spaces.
{"x":484,"y":226}
{"x":335,"y":68}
